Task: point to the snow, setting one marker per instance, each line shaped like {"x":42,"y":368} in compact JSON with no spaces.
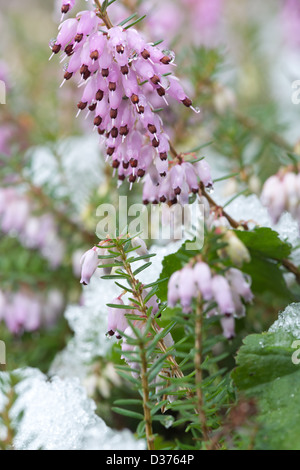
{"x":58,"y":415}
{"x":288,"y":321}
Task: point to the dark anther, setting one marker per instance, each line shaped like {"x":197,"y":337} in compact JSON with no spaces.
{"x":133,"y":163}
{"x":111,"y":333}
{"x":145,"y":54}
{"x":81,"y":105}
{"x":135,"y":99}
{"x":121,"y":177}
{"x":105,"y":72}
{"x":113,"y":113}
{"x":177,"y":191}
{"x":67,"y":75}
{"x":94,"y":55}
{"x":125,"y":165}
{"x":163,"y":199}
{"x":120,"y":49}
{"x":69,"y":50}
{"x":155,"y":79}
{"x":141,"y":173}
{"x":86,"y":74}
{"x":166,"y":60}
{"x":101,"y":131}
{"x":161,"y":91}
{"x":110,"y":151}
{"x":163,"y":156}
{"x":65,"y":9}
{"x":99,"y":95}
{"x":132,"y":178}
{"x":114,"y":132}
{"x":56,"y":48}
{"x":97,"y":121}
{"x":141,"y":110}
{"x":124,"y":130}
{"x":187,"y":102}
{"x":155,"y":143}
{"x":115,"y":164}
{"x":125,"y":69}
{"x":152,"y":128}
{"x":112,"y":86}
{"x":78,"y":37}
{"x":92,"y":107}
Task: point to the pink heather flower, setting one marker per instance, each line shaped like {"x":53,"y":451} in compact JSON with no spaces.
{"x":228,"y":325}
{"x":15,"y":216}
{"x":117,"y":319}
{"x":25,"y":311}
{"x":228,"y":291}
{"x":67,"y":5}
{"x":187,"y":288}
{"x":173,"y":289}
{"x":53,"y":306}
{"x":273,"y":197}
{"x":204,"y":173}
{"x":181,"y":180}
{"x":121,"y":63}
{"x":89,"y":263}
{"x":281,"y":193}
{"x":222,"y":295}
{"x":239,"y":284}
{"x":203,"y":280}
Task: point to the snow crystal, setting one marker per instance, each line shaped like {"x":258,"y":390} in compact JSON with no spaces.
{"x":250,"y":208}
{"x":288,"y":321}
{"x":58,"y":415}
{"x":77,"y":181}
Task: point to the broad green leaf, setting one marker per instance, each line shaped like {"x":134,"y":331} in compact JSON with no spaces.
{"x":266,"y":372}
{"x":266,"y":242}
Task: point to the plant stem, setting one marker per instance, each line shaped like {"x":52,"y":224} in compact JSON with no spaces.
{"x":137,"y":293}
{"x":147,"y":411}
{"x":103,"y":15}
{"x":198,"y":370}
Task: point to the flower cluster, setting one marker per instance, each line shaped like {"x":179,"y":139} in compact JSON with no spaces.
{"x":281,"y":193}
{"x":178,"y":183}
{"x":227,"y":292}
{"x":34,"y":232}
{"x":120,"y":72}
{"x":26,"y":311}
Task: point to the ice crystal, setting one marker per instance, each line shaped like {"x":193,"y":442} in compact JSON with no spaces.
{"x":288,"y":321}
{"x":57,"y":415}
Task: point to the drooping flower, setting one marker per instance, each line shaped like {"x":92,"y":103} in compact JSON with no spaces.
{"x":34,"y":232}
{"x":89,"y":264}
{"x":27,"y":311}
{"x":230,"y":292}
{"x":121,"y":71}
{"x":281,"y":192}
{"x":117,"y":319}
